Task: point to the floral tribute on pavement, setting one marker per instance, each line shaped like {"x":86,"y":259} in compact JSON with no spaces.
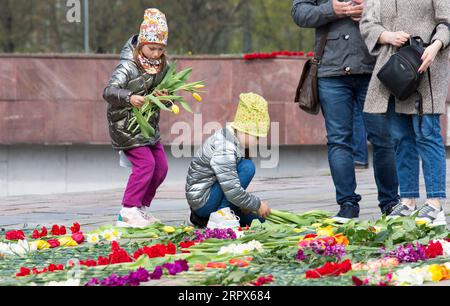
{"x":289,"y":249}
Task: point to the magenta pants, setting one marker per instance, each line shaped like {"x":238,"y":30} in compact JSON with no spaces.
{"x":148,"y":173}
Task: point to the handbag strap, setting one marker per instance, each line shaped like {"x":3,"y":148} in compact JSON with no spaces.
{"x":323,"y":42}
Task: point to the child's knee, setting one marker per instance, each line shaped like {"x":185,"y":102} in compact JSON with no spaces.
{"x":247,"y":166}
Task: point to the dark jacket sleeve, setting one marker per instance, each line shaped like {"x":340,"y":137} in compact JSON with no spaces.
{"x":307,"y":14}
{"x":115,"y":92}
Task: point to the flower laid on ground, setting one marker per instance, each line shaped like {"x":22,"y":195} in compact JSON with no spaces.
{"x":409,"y":253}
{"x":263,"y":280}
{"x":168,"y":229}
{"x":93,"y":238}
{"x":172,"y":83}
{"x":434,"y":249}
{"x":67,"y":242}
{"x":177,"y":267}
{"x":22,"y":247}
{"x":275,"y":54}
{"x":111,"y":235}
{"x":68,"y":283}
{"x":224,"y":234}
{"x":420,"y":275}
{"x":376,"y":264}
{"x":243,"y":248}
{"x":325,"y":231}
{"x":75,"y":228}
{"x":239,"y":263}
{"x":330,"y":269}
{"x":15,"y":235}
{"x":40,"y":234}
{"x":41,"y":244}
{"x":216,"y":265}
{"x":78,"y":237}
{"x":378,"y":280}
{"x":445,"y":246}
{"x":186,"y":245}
{"x":118,"y":255}
{"x":58,"y":230}
{"x":141,"y":275}
{"x":159,"y":250}
{"x":51,"y":268}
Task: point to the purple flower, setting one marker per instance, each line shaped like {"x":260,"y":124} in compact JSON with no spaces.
{"x":177,"y":267}
{"x":300,"y":255}
{"x":223,"y":234}
{"x":157,"y":273}
{"x":93,"y":282}
{"x":409,"y":253}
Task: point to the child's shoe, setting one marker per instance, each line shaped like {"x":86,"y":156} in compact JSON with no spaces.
{"x":223,"y":219}
{"x":133,"y":217}
{"x":431,"y":215}
{"x":148,"y":215}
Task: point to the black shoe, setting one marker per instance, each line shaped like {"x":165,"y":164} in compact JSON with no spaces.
{"x":198,"y":221}
{"x":347,"y":212}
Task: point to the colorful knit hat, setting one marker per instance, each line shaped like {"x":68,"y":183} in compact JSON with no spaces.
{"x":252,"y":116}
{"x":154,"y":28}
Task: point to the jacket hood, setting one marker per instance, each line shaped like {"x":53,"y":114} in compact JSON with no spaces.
{"x":128,"y":49}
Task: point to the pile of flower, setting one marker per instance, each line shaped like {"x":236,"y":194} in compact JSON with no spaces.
{"x":253,"y":56}
{"x":289,"y":249}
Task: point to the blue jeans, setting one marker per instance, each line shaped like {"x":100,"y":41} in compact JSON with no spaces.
{"x":360,"y":149}
{"x":338,"y":97}
{"x":411,"y":145}
{"x":246,"y":171}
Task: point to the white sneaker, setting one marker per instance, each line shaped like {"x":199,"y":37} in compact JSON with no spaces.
{"x":431,"y":215}
{"x":223,"y":219}
{"x":133,"y":217}
{"x":148,"y":215}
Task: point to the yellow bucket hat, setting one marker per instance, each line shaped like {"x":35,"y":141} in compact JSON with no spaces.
{"x":252,"y":116}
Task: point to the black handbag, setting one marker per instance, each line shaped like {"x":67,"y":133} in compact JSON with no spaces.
{"x":400,"y":75}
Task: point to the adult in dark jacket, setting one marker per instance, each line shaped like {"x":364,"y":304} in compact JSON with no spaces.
{"x":142,"y":67}
{"x":344,"y":75}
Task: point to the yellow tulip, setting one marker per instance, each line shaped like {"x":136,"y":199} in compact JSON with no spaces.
{"x":316,"y":224}
{"x":325,"y":231}
{"x":168,"y":229}
{"x":188,"y":229}
{"x":41,"y":244}
{"x":199,"y":86}
{"x":436,"y":273}
{"x":67,"y":242}
{"x":197,"y":97}
{"x":175,"y":109}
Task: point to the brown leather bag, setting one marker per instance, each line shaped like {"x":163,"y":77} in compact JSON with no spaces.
{"x":307,"y":95}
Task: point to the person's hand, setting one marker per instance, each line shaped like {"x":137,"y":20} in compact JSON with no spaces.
{"x":342,"y":9}
{"x":264,"y":210}
{"x":358,"y":8}
{"x":429,"y":55}
{"x":397,"y":39}
{"x":137,"y":101}
{"x":160,"y":93}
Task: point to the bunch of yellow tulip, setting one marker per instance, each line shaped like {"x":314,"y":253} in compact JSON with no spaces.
{"x":172,"y":83}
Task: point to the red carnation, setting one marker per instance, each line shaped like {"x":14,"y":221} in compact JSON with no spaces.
{"x":310,"y":236}
{"x":54,"y":243}
{"x":55,"y":230}
{"x":78,"y":237}
{"x":102,"y":261}
{"x":330,"y":268}
{"x":23,"y":272}
{"x":434,"y":249}
{"x":310,"y":54}
{"x":15,"y":235}
{"x":53,"y":267}
{"x":75,"y":228}
{"x":35,"y":234}
{"x":62,"y":230}
{"x":357,"y":282}
{"x":44,"y":232}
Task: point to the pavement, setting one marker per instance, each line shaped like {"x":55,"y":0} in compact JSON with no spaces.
{"x":92,"y":209}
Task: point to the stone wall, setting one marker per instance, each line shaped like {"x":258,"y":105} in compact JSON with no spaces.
{"x":57,"y":99}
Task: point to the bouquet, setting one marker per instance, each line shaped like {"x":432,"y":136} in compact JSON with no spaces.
{"x":173,"y":83}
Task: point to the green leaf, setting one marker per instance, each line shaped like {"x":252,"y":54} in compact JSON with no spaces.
{"x":158,"y":103}
{"x":146,"y":130}
{"x":185,"y":105}
{"x":184,"y":75}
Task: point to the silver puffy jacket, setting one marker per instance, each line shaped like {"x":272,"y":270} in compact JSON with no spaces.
{"x":217,"y":161}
